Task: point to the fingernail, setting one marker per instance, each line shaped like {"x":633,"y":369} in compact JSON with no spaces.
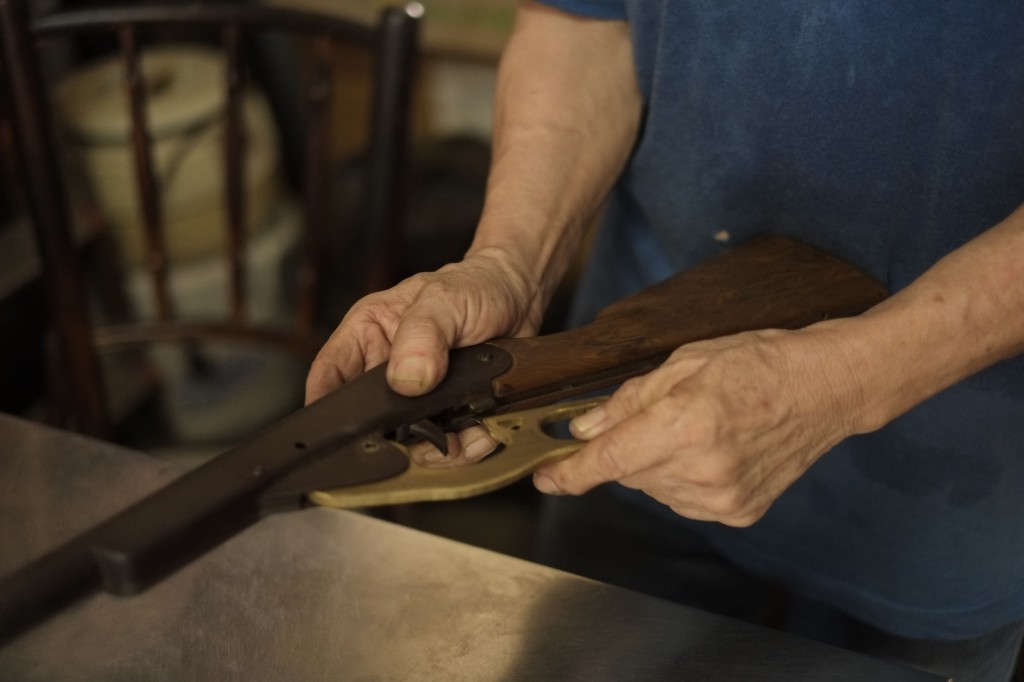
{"x":411,"y":371}
{"x":434,"y":456}
{"x":588,"y":422}
{"x":546,"y":485}
{"x":477,"y":448}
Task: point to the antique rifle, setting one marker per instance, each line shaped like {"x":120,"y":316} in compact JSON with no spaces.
{"x":348,"y":448}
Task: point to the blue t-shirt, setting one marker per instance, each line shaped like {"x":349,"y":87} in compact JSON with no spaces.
{"x":889,"y":133}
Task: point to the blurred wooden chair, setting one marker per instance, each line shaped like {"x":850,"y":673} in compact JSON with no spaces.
{"x":233,"y":27}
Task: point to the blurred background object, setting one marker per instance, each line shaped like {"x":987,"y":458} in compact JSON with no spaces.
{"x":467,"y":29}
{"x":164,"y":213}
{"x":186,"y":103}
{"x":190,"y":401}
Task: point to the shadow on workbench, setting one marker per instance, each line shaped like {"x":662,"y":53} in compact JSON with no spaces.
{"x":504,"y":521}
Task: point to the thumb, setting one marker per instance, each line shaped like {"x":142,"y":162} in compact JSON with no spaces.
{"x":612,"y":429}
{"x":419,"y":353}
{"x":602,"y":460}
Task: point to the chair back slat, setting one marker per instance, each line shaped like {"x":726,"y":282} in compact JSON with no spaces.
{"x":201,"y":15}
{"x":234,"y":167}
{"x":145,"y":176}
{"x":237,"y":25}
{"x":388,"y":145}
{"x":315,"y":180}
{"x":50,"y":208}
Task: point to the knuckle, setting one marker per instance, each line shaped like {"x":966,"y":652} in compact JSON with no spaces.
{"x":416,"y":329}
{"x":436,"y":289}
{"x":320,"y":362}
{"x":681,"y":510}
{"x":692,"y":422}
{"x":629,"y":396}
{"x":730,"y":502}
{"x":716,"y":472}
{"x":700,"y":414}
{"x":744,"y":519}
{"x":323,"y":371}
{"x":734,"y":502}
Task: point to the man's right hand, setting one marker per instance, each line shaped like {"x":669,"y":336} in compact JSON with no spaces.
{"x":414,"y":325}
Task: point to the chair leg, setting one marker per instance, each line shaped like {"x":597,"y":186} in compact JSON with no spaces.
{"x":57,"y":400}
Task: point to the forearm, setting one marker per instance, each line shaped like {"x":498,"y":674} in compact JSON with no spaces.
{"x":567,"y":114}
{"x":962,"y":315}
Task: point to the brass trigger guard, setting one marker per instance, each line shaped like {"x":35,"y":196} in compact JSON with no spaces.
{"x":527,"y":446}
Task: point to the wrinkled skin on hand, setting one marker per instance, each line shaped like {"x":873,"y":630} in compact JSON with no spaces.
{"x":721,"y":429}
{"x":413,"y":325}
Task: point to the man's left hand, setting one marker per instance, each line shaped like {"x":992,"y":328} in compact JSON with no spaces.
{"x":722,"y":428}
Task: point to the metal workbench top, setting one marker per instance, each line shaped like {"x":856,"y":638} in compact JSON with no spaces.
{"x":332,"y":595}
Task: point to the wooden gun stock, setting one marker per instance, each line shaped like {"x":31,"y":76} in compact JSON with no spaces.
{"x":768,"y":282}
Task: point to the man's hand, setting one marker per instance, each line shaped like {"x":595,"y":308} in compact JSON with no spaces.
{"x":721,"y":429}
{"x":725,"y":426}
{"x":413,"y":326}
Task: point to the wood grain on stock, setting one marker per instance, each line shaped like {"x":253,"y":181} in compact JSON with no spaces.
{"x":768,"y":282}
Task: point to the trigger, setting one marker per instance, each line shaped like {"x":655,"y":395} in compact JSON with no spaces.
{"x":430,"y":432}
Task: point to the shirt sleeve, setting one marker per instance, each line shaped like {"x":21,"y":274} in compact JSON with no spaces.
{"x":595,"y":9}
